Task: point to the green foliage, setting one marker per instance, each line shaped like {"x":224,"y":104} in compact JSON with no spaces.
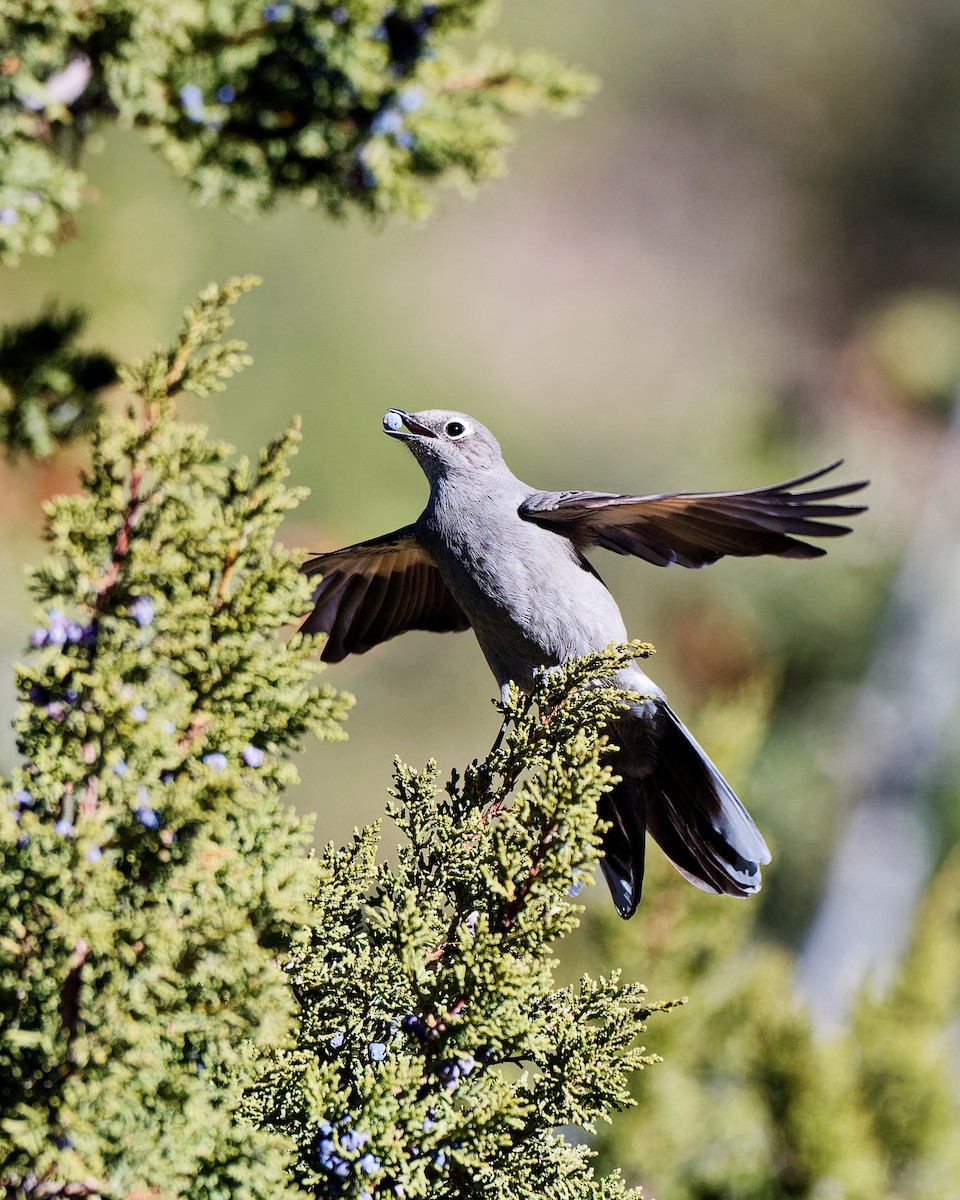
{"x":148,"y":871}
{"x":359,"y":104}
{"x":51,"y":390}
{"x":436,"y":1055}
{"x":150,"y":876}
{"x":750,"y":1104}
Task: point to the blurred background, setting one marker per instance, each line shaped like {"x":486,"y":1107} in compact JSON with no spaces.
{"x":741,"y":263}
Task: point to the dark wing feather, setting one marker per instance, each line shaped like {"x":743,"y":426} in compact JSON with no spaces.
{"x":375,"y":590}
{"x":696,"y":528}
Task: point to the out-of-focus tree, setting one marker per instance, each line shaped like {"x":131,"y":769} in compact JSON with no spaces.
{"x":51,"y":391}
{"x":358,"y":104}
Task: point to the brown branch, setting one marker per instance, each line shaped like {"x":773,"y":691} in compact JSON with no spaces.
{"x":70,"y":996}
{"x":229,"y":567}
{"x":121,"y":547}
{"x":509,"y":780}
{"x":474,"y":83}
{"x":194,"y":731}
{"x":178,"y":365}
{"x":514,"y":907}
{"x":488,"y":814}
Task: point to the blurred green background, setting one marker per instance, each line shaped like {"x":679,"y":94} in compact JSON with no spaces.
{"x":741,"y":263}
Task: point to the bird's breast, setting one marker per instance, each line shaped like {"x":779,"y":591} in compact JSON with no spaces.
{"x":531,"y":599}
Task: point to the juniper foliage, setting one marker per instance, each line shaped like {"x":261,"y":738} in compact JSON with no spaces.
{"x":343,"y":104}
{"x":148,"y":871}
{"x":150,"y":877}
{"x":436,"y":1054}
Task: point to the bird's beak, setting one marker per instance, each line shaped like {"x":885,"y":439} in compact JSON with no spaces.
{"x":400,"y":424}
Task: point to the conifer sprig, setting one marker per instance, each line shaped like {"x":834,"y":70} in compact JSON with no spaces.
{"x":436,"y":1054}
{"x":147,"y":869}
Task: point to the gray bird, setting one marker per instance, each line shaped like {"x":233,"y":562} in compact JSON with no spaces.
{"x":495,"y":554}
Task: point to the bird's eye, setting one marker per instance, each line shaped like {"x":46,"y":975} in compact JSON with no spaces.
{"x":454,"y":429}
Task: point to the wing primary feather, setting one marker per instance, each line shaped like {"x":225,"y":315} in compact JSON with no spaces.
{"x":374,"y":614}
{"x":374,"y":590}
{"x":342,"y":637}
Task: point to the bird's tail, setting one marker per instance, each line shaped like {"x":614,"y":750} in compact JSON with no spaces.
{"x":671,"y":790}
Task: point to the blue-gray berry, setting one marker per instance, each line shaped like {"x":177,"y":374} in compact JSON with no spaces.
{"x":252,"y":756}
{"x":142,"y":609}
{"x":354,"y":1140}
{"x":410,"y":99}
{"x":191,"y":97}
{"x":388,"y":120}
{"x":450,"y":1075}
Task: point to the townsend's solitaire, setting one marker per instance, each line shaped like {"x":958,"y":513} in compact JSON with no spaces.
{"x":494,"y":554}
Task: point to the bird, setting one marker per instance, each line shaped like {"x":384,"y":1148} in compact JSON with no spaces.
{"x":493,"y":554}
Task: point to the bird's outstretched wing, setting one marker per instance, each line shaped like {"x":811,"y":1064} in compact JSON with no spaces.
{"x":696,"y":528}
{"x":375,"y":590}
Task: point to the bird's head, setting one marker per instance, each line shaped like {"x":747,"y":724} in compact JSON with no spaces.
{"x":444,"y":443}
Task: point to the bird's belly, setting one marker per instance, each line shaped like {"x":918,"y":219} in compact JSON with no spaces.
{"x":529,"y":614}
